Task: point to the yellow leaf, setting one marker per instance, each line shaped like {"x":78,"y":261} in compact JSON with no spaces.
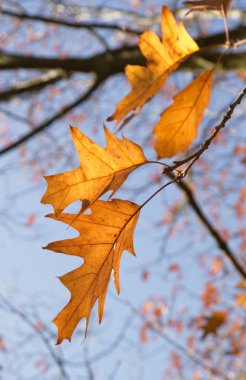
{"x":100,"y":170}
{"x":178,"y":124}
{"x":103,"y":236}
{"x":214,"y":322}
{"x":162,"y":58}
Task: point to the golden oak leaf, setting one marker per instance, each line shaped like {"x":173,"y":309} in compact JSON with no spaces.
{"x":214,"y":322}
{"x":208,"y":5}
{"x":162,"y":58}
{"x":178,"y":124}
{"x":103,"y":236}
{"x":100,"y":170}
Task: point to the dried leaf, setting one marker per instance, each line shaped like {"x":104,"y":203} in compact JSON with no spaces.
{"x":162,"y":58}
{"x":210,"y":295}
{"x":214,"y":322}
{"x":217,"y":266}
{"x":179,"y":123}
{"x":208,"y":5}
{"x":241,"y":300}
{"x":100,"y":170}
{"x":241,"y":284}
{"x":103,"y":236}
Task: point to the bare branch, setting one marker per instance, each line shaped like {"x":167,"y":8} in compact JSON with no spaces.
{"x":222,"y":244}
{"x":35,"y":84}
{"x":55,"y":117}
{"x":191,"y":160}
{"x":71,"y":24}
{"x":39,"y":333}
{"x":162,"y":333}
{"x":114,"y":61}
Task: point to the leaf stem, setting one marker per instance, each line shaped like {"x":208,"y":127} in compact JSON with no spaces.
{"x":158,"y":162}
{"x":175,"y":179}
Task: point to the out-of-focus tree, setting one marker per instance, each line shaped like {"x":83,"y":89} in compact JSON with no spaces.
{"x":62,"y":62}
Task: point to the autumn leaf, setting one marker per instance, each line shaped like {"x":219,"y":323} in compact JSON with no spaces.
{"x":100,"y":170}
{"x":210,"y":296}
{"x":178,"y":124}
{"x":241,"y":284}
{"x":241,"y":298}
{"x":214,"y":322}
{"x":103,"y":236}
{"x":162,"y":58}
{"x":208,"y":5}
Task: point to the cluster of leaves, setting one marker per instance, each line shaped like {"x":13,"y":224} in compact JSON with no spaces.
{"x":108,"y":230}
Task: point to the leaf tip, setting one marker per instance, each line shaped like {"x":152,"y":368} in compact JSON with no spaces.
{"x":73,"y":130}
{"x":110,"y":118}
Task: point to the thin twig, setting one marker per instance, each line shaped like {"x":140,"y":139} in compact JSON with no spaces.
{"x":71,"y":24}
{"x":39,"y":333}
{"x":205,"y":145}
{"x":179,"y":347}
{"x":34,"y":84}
{"x":55,"y":117}
{"x":222,"y":244}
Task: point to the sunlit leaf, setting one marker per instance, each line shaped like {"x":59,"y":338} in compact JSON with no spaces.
{"x":103,"y":236}
{"x":100,"y":170}
{"x":178,"y":124}
{"x":162,"y":57}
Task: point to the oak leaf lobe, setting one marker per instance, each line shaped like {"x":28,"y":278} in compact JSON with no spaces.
{"x":103,"y":236}
{"x":163,"y":57}
{"x":100,"y":170}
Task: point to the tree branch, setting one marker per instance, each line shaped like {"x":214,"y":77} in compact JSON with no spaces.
{"x":114,"y":61}
{"x":219,"y":38}
{"x":34,"y":84}
{"x":55,"y":117}
{"x":70,"y":24}
{"x":205,"y":145}
{"x":162,"y":333}
{"x":211,"y":229}
{"x":40,"y":334}
{"x":192,"y":201}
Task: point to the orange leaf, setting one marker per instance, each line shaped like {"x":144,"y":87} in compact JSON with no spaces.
{"x":241,"y":300}
{"x":216,"y":267}
{"x":162,"y":58}
{"x":103,"y":236}
{"x":214,"y":322}
{"x":100,"y":170}
{"x":179,"y":123}
{"x":210,"y":296}
{"x":241,"y":284}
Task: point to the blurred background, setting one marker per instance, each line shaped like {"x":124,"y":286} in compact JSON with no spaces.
{"x":62,"y":63}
